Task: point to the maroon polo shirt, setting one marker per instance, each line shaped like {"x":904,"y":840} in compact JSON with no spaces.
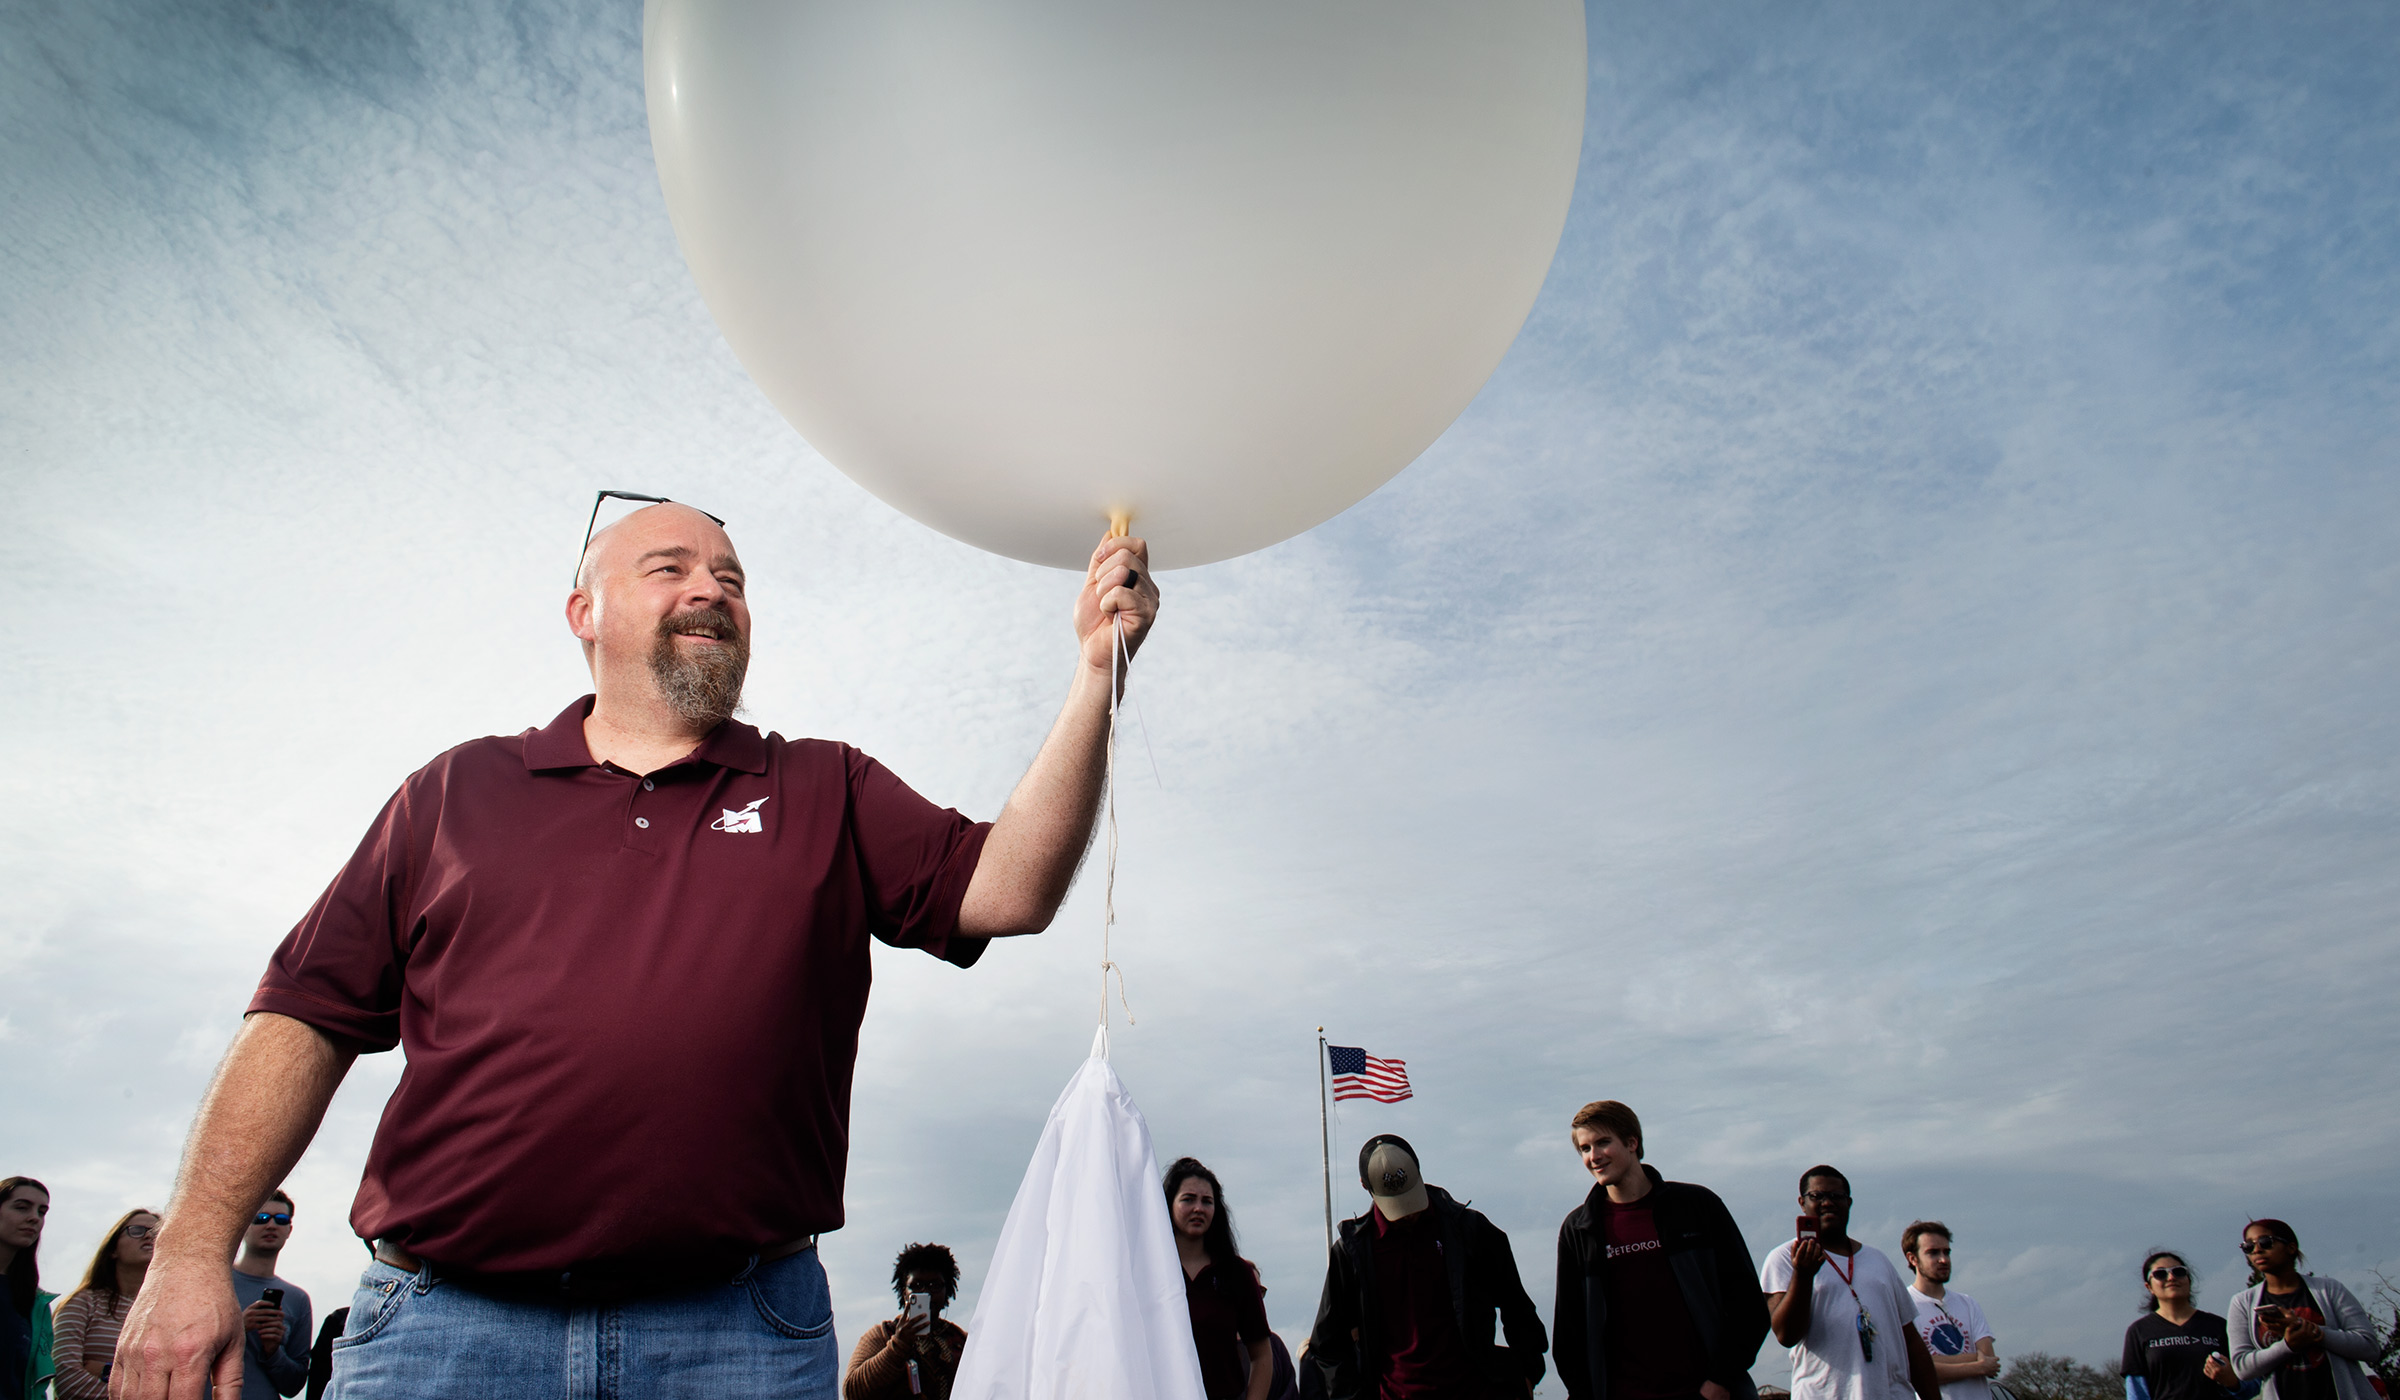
{"x":1229,"y":1311}
{"x":630,"y":1004}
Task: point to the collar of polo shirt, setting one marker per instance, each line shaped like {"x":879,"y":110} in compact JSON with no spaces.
{"x":560,"y":744}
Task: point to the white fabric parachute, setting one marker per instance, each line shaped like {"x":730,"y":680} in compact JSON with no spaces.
{"x":1084,"y":1299}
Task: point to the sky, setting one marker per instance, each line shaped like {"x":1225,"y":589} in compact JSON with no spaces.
{"x":1895,"y":668}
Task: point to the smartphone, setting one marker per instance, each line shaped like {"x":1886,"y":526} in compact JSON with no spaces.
{"x":2272,"y":1316}
{"x":273,"y":1297}
{"x":1804,"y":1228}
{"x":920,"y":1306}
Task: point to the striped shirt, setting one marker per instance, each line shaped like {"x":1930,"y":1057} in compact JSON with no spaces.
{"x":85,"y":1329}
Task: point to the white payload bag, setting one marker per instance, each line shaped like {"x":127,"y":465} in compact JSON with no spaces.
{"x":1085,"y":1299}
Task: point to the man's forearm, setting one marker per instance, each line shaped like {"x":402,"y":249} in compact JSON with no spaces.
{"x":256,"y":1119}
{"x":1029,"y":859}
{"x":1920,"y":1364}
{"x":1792,"y":1311}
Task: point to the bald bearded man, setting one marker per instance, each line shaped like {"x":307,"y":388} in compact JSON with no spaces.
{"x":627,"y":956}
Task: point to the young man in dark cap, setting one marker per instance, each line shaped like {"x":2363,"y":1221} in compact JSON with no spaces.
{"x":1410,"y":1294}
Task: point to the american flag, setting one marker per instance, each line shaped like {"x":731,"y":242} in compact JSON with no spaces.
{"x":1359,"y":1075}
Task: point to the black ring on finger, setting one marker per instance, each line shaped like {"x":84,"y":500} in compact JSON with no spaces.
{"x":1132,"y":579}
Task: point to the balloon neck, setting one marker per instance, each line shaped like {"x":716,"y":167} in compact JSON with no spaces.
{"x":1120,"y":524}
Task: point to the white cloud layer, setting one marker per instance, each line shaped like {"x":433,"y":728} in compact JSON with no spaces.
{"x":1896,"y":669}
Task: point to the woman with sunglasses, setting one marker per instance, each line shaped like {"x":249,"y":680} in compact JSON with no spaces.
{"x":2304,"y":1335}
{"x":88,"y":1321}
{"x":2174,"y":1351}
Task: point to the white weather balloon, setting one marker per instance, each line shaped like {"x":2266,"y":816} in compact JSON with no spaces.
{"x":1017,"y":265}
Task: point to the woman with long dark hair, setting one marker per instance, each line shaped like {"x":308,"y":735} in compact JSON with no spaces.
{"x":94,"y":1313}
{"x":25,"y":1311}
{"x":2174,"y":1351}
{"x":2304,"y":1335}
{"x":1229,"y":1310}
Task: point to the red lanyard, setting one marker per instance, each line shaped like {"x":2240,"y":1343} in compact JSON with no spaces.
{"x":1830,"y":1256}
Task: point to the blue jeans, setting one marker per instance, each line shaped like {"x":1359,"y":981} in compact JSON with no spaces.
{"x":768,"y":1332}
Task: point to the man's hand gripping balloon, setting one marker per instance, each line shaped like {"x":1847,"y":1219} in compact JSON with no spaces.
{"x":1118,"y":593}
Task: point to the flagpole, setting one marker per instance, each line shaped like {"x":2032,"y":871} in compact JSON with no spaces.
{"x":1324,"y":1142}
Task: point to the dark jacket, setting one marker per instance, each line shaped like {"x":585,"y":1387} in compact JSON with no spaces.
{"x":1705,"y":1249}
{"x":1483,"y":1279}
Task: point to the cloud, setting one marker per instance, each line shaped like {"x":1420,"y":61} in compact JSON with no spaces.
{"x":1894,"y":669}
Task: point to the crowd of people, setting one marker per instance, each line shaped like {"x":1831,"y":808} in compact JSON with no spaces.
{"x":66,"y":1346}
{"x":1657,"y":1297}
{"x":1421,"y":1300}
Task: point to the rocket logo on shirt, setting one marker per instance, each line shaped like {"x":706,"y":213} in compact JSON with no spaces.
{"x":748,"y":821}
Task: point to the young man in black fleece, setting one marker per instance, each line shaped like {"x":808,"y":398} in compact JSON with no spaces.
{"x":1656,"y":1300}
{"x":1411,"y":1293}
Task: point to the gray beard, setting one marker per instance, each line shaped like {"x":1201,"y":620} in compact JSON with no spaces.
{"x":705,"y":690}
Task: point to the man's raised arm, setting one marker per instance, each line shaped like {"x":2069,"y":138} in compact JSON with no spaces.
{"x":256,"y":1119}
{"x":1030,"y":857}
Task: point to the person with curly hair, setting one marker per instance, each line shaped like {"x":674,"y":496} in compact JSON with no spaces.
{"x":916,"y":1353}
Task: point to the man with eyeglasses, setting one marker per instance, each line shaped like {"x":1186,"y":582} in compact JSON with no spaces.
{"x":1965,"y":1358}
{"x":275,"y":1330}
{"x":1840,"y":1306}
{"x":628,"y":956}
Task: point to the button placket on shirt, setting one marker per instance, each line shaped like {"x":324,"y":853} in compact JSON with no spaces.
{"x":641,"y":832}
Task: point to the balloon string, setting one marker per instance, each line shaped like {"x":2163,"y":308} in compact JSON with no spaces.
{"x":1108,"y":897}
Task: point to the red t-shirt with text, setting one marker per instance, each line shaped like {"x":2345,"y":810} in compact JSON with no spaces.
{"x":1654,"y":1351}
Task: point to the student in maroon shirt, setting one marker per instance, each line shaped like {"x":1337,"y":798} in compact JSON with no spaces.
{"x":1411,"y":1291}
{"x":1227,"y":1302}
{"x":1655,"y":1296}
{"x":627,"y":955}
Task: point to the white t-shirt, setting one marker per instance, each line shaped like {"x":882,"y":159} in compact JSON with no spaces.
{"x":1951,"y":1326}
{"x":1829,"y":1363}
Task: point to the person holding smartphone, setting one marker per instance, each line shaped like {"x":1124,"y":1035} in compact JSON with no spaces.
{"x":275,"y":1314}
{"x":1841,"y":1307}
{"x":2174,"y":1351}
{"x":915,"y":1354}
{"x":2302,"y":1335}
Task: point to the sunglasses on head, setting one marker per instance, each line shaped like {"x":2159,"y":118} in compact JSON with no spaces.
{"x":604,"y":496}
{"x":273,"y":1217}
{"x":2164,"y":1274}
